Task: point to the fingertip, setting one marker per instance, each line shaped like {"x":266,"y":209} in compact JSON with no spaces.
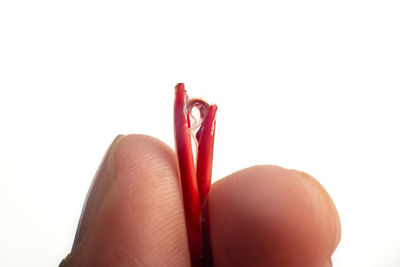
{"x":271,"y":216}
{"x":141,"y":220}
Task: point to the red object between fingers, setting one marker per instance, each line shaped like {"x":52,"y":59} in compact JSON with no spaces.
{"x":195,"y":180}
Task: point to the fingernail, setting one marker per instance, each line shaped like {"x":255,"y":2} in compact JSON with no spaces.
{"x":100,"y":184}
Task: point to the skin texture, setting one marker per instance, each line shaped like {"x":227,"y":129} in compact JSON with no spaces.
{"x":260,"y":216}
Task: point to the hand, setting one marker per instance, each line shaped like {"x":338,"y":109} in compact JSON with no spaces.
{"x":260,"y":216}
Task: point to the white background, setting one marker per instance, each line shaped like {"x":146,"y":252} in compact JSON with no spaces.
{"x":311,"y":85}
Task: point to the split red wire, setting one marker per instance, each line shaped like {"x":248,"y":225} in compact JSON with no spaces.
{"x":195,"y":178}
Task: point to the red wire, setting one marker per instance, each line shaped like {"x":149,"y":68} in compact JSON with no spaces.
{"x":195,"y":183}
{"x":205,"y":152}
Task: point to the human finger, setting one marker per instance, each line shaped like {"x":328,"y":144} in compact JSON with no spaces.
{"x":270,"y":216}
{"x":134,"y":212}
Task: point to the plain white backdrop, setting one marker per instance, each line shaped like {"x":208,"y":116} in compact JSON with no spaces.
{"x":310,"y":85}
